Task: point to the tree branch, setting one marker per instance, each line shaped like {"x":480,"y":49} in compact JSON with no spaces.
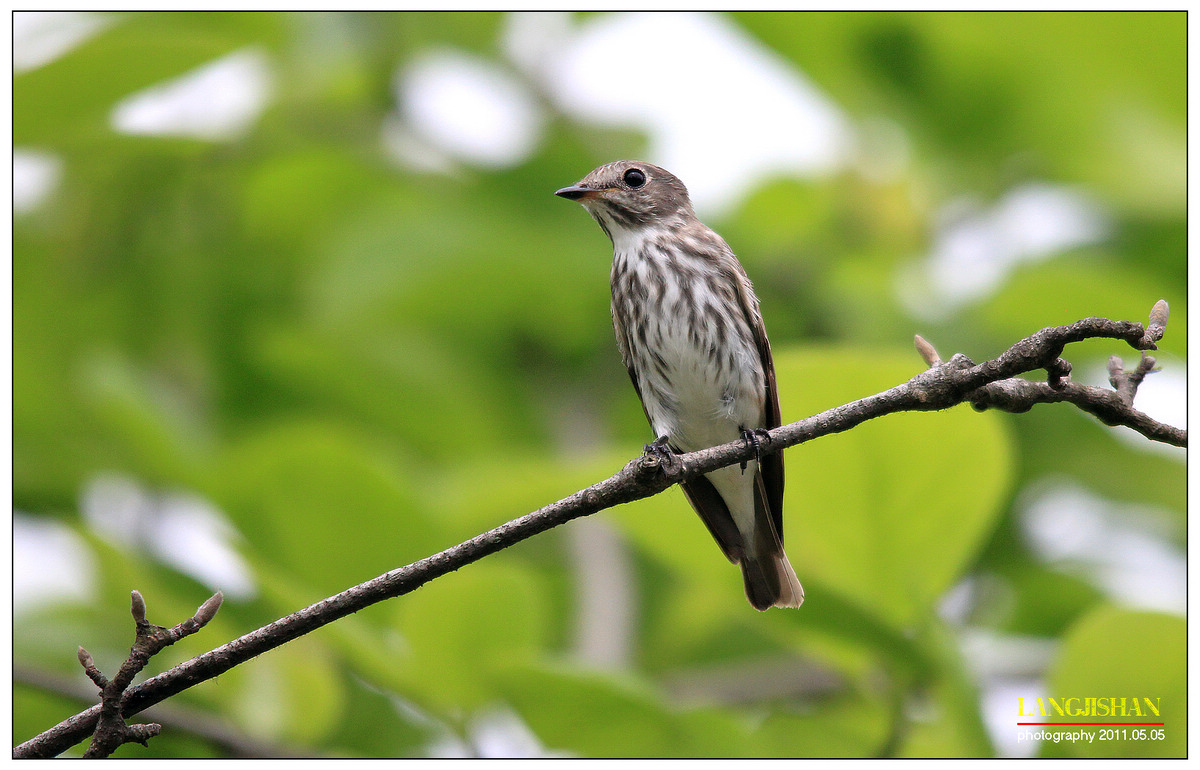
{"x":991,"y":384}
{"x":198,"y":723}
{"x":111,"y":730}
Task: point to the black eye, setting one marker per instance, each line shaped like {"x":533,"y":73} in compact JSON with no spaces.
{"x":635,"y":178}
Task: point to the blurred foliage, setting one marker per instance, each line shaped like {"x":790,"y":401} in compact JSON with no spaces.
{"x":361,"y":364}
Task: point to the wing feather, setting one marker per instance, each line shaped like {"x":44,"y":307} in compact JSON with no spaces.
{"x":771,"y":466}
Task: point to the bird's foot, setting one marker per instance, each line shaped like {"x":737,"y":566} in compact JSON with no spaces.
{"x":661,"y":452}
{"x":661,"y":448}
{"x":754,"y":439}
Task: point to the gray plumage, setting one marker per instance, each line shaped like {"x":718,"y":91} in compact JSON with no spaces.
{"x":691,"y":335}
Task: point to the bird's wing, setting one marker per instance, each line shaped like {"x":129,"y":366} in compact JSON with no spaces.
{"x":771,"y":466}
{"x":623,"y":346}
{"x":713,"y":511}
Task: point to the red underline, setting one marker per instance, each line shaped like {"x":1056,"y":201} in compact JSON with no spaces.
{"x":1157,"y":724}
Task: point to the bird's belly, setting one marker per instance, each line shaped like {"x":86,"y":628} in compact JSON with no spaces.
{"x":701,"y":395}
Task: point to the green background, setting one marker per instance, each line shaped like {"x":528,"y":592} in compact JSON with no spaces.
{"x":359,"y":365}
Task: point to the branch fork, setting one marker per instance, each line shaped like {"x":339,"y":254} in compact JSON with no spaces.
{"x":111,"y":730}
{"x":1043,"y":350}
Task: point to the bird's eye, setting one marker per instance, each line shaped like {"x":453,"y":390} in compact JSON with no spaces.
{"x":635,"y":178}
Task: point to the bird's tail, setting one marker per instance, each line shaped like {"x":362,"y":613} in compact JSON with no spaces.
{"x":770,"y":580}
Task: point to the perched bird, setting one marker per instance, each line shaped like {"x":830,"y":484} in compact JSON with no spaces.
{"x":692,"y":337}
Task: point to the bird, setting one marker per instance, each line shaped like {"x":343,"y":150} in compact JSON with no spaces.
{"x":691,"y":335}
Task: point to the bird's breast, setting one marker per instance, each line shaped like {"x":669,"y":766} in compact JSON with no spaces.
{"x":685,"y":337}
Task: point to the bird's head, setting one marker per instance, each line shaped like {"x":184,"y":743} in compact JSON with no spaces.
{"x":630,"y":195}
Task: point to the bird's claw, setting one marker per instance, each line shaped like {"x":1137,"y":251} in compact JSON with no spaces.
{"x":661,"y":451}
{"x":754,"y":438}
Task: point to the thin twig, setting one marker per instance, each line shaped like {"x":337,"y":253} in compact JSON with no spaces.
{"x":203,"y":725}
{"x":111,"y":730}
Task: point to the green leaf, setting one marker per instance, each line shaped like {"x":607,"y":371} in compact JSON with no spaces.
{"x":401,"y":386}
{"x":68,"y":100}
{"x":892,"y":512}
{"x":375,"y":727}
{"x":324,"y":503}
{"x":1125,"y":655}
{"x":1064,"y":290}
{"x":596,"y":715}
{"x":293,"y":694}
{"x":146,"y":427}
{"x":490,"y":490}
{"x":35,"y":709}
{"x":1084,"y":448}
{"x":847,"y":725}
{"x":942,"y":715}
{"x":463,"y":629}
{"x":1097,"y":97}
{"x":704,"y":589}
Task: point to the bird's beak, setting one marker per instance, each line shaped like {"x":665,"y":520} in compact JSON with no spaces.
{"x":577,"y":192}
